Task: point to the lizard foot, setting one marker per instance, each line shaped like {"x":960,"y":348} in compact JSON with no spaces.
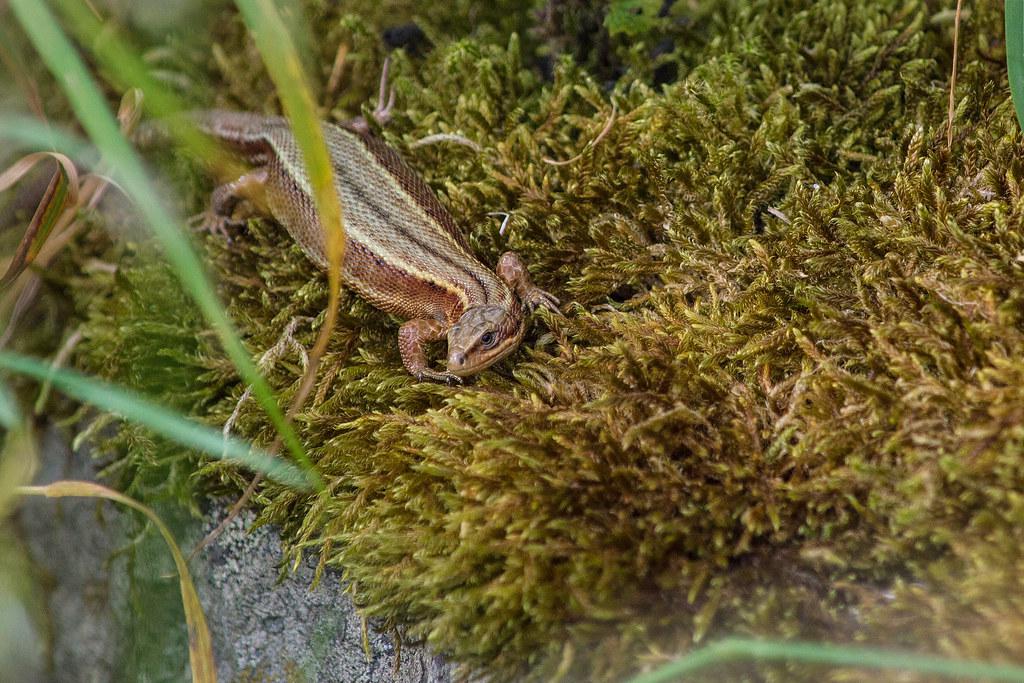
{"x":535,"y":298}
{"x":513,"y":271}
{"x":446,"y":377}
{"x":216,"y":224}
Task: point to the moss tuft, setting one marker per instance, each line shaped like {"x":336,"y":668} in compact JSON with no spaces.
{"x":786,"y":401}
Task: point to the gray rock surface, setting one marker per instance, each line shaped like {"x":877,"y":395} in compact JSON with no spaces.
{"x":111,"y":607}
{"x":287,"y":631}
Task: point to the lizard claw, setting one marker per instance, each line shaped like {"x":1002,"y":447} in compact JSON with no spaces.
{"x":445,"y":377}
{"x":536,"y":297}
{"x":215,"y":224}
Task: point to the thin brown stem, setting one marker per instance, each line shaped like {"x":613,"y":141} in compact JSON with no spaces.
{"x":590,"y":145}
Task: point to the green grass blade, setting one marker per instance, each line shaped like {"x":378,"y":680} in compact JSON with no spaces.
{"x":1014,"y":18}
{"x":738,"y":649}
{"x":10,"y":416}
{"x":27,"y":133}
{"x":95,"y":115}
{"x":285,"y":67}
{"x":157,"y":418}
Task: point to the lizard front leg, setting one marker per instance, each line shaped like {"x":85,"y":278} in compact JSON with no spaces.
{"x":251,"y":187}
{"x":512,"y":270}
{"x":411,"y":337}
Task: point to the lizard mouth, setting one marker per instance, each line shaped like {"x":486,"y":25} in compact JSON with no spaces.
{"x":463,"y":365}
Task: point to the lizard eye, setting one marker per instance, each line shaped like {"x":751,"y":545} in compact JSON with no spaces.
{"x":487,"y":339}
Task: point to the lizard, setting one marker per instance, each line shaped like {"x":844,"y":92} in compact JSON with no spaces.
{"x":404,"y":252}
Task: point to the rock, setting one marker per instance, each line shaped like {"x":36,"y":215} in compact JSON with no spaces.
{"x":106,"y":607}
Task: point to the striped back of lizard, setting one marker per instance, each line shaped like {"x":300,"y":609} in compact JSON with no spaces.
{"x":404,"y":252}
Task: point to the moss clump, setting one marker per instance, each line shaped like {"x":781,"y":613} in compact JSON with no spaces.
{"x":787,"y":399}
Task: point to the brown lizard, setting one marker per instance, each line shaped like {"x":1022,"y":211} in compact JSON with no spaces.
{"x":404,"y":252}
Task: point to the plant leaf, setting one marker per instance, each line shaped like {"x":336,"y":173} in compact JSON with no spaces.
{"x":95,"y":115}
{"x":161,"y":420}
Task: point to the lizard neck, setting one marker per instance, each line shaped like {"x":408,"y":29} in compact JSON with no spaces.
{"x":480,"y":287}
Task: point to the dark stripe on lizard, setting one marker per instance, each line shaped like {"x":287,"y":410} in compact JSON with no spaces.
{"x":352,"y":183}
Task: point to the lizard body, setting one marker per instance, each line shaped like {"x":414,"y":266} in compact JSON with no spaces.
{"x":404,"y":252}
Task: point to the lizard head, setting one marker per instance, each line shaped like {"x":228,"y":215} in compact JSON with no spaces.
{"x":482,"y":336}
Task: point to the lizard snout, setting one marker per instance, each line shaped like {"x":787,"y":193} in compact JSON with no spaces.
{"x":456,"y":360}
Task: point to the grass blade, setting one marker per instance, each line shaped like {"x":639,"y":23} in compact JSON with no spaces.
{"x":1014,"y":26}
{"x":200,"y":645}
{"x":27,"y":133}
{"x":285,"y":67}
{"x":10,"y":417}
{"x":157,"y":418}
{"x":60,"y":195}
{"x":95,"y":115}
{"x":739,"y":649}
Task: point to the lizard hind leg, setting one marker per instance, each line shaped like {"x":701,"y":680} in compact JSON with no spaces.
{"x":250,"y":187}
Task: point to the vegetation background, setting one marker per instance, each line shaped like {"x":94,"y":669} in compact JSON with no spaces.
{"x":787,"y":399}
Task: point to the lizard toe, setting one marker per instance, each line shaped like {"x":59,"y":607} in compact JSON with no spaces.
{"x":538,"y":298}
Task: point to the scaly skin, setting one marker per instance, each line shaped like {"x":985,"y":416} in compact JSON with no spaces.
{"x":403,"y":251}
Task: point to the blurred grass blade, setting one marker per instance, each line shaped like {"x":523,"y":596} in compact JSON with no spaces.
{"x":95,"y":115}
{"x":1014,"y":26}
{"x":738,"y":649}
{"x":161,"y":420}
{"x":200,"y":645}
{"x":21,"y":167}
{"x":24,"y":132}
{"x":10,"y":417}
{"x":61,"y":193}
{"x":17,"y":450}
{"x":128,"y":71}
{"x":285,"y":68}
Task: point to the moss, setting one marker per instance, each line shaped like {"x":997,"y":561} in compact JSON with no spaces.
{"x":786,"y":399}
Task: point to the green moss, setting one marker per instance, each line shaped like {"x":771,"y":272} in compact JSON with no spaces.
{"x":786,"y":401}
